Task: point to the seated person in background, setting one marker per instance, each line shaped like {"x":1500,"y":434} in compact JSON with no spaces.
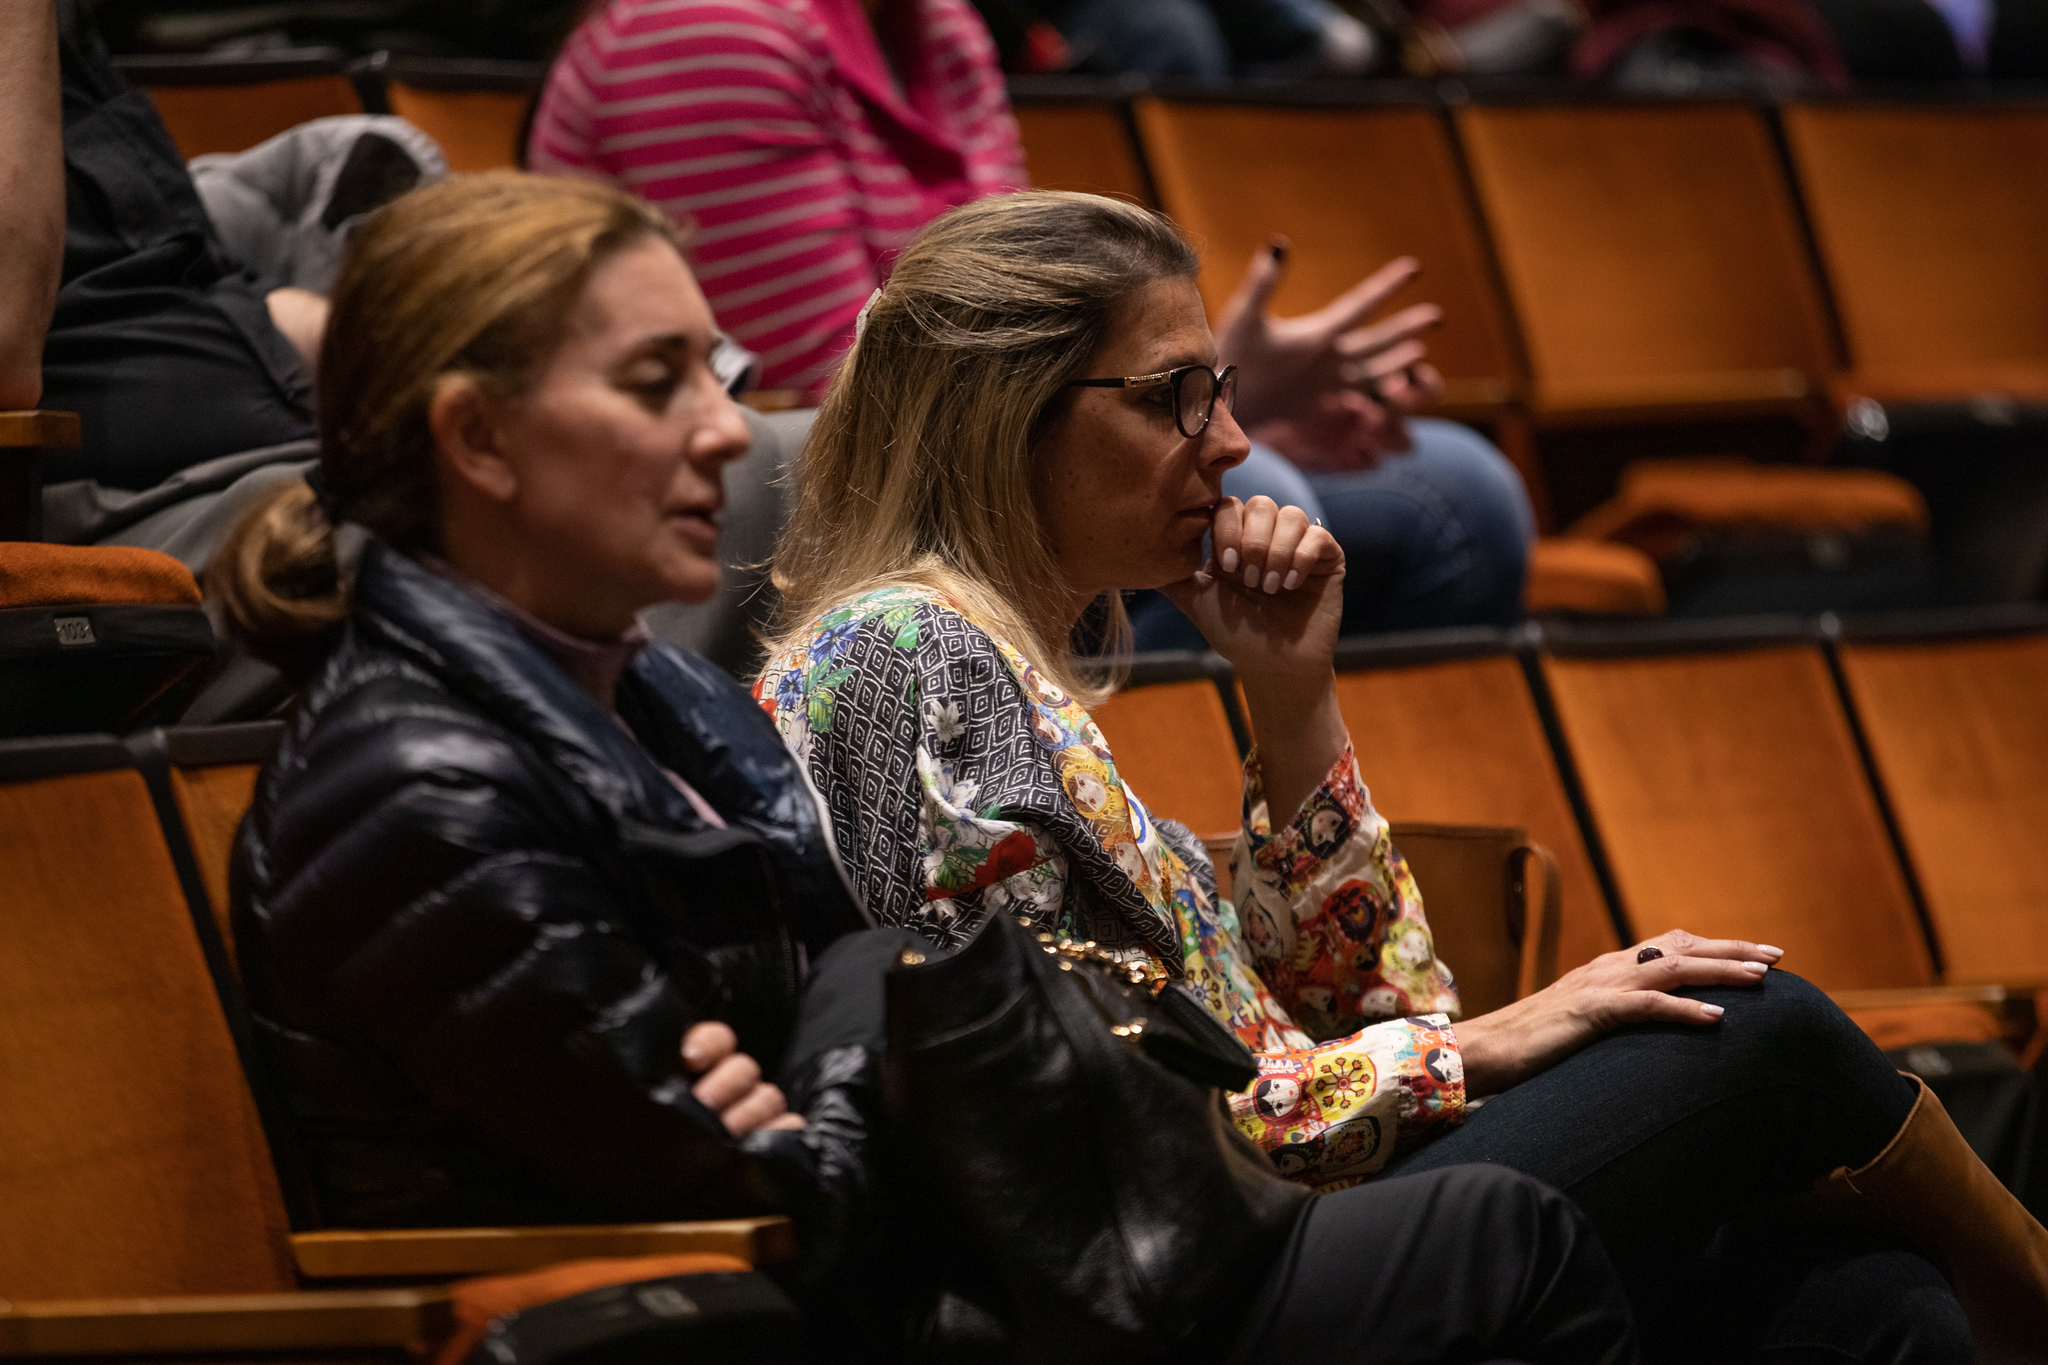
{"x":980,"y":479}
{"x":808,"y":140}
{"x":489,"y":883}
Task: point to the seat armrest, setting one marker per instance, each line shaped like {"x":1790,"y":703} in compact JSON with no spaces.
{"x":397,"y":1322}
{"x":452,"y":1253}
{"x":24,"y":436}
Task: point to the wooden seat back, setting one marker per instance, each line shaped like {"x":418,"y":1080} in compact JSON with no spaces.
{"x":211,"y":773}
{"x":229,"y":104}
{"x":1653,"y":256}
{"x":1929,"y":221}
{"x":132,"y":1161}
{"x":1724,"y":781}
{"x":1080,"y":143}
{"x":1352,"y":188}
{"x":1175,"y":742}
{"x":476,"y":110}
{"x":1958,"y":732}
{"x":1448,"y":732}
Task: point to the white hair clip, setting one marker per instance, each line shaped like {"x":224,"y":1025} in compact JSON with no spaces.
{"x":860,"y":321}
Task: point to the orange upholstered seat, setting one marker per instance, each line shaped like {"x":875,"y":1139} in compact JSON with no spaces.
{"x":1929,"y":221}
{"x":229,"y":104}
{"x":1958,"y":730}
{"x":38,"y":575}
{"x":1080,"y":144}
{"x":1450,"y":734}
{"x":1591,"y":577}
{"x":1726,"y":787}
{"x":1654,"y":258}
{"x":1175,"y":746}
{"x":476,"y":110}
{"x":1730,"y":493}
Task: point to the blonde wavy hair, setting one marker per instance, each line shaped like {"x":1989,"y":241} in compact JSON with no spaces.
{"x":474,"y":276}
{"x":918,"y":471}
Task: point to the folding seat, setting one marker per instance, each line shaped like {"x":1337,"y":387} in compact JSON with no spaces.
{"x":218,"y":103}
{"x":1494,"y":924}
{"x":140,"y":1213}
{"x":1353,"y":187}
{"x":1724,"y":782}
{"x":1954,"y":707}
{"x":1654,"y":259}
{"x":1448,"y":732}
{"x":97,"y":639}
{"x":477,"y":110}
{"x":1179,"y":741}
{"x":1929,"y":222}
{"x":1077,"y":136}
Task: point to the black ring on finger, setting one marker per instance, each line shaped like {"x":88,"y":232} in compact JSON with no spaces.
{"x":1649,"y":955}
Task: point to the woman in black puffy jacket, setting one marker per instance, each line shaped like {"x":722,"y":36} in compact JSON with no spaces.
{"x":512,"y":851}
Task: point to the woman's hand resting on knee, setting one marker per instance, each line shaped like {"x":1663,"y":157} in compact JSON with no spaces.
{"x":730,"y":1083}
{"x":1270,"y":600}
{"x":1518,"y":1041}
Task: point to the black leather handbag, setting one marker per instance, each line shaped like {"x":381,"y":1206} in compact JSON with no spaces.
{"x":1085,"y":1188}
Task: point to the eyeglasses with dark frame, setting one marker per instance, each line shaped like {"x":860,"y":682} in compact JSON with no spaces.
{"x":1193,"y":404}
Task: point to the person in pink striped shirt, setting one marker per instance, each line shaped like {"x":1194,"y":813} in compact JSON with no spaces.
{"x":806,"y":141}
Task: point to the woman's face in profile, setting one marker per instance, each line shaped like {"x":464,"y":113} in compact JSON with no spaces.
{"x":1124,"y":497}
{"x":618,"y":445}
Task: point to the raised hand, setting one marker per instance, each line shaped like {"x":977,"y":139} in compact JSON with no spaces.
{"x":1631,"y":986}
{"x":1327,"y":392}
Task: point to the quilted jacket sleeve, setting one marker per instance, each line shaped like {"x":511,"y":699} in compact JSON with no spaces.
{"x":410,"y":901}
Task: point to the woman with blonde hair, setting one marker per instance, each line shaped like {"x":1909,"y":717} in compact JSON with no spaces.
{"x":522,"y":901}
{"x":1030,"y":423}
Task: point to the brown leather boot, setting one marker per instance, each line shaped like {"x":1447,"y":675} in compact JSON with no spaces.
{"x":1928,"y":1184}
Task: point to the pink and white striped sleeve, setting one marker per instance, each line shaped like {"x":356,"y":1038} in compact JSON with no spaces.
{"x":717,"y":111}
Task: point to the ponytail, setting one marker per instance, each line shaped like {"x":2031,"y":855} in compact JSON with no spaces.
{"x":278,"y":581}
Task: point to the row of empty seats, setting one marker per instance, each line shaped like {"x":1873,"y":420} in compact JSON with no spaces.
{"x":1869,"y":798}
{"x":1620,"y":263}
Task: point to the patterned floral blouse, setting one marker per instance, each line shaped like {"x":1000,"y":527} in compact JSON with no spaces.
{"x":962,"y":781}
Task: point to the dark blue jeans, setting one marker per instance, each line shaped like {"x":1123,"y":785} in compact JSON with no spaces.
{"x":1678,"y":1142}
{"x":1438,"y":536}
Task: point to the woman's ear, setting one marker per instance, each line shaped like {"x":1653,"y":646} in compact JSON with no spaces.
{"x":465,"y":431}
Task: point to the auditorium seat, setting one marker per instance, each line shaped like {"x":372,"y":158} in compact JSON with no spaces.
{"x":475,"y":109}
{"x":97,"y":638}
{"x":1724,"y":783}
{"x":1177,"y":740}
{"x":134,"y":1168}
{"x":1929,"y":220}
{"x":1954,"y":706}
{"x":1353,"y":187}
{"x":1448,"y":732}
{"x":1654,"y":259}
{"x":1591,"y":578}
{"x":216,"y":103}
{"x":1077,"y":136}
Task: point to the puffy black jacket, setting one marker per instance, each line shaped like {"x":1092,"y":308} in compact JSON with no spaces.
{"x":475,"y":918}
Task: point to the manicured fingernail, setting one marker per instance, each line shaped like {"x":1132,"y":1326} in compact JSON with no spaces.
{"x":1230,"y":561}
{"x":1712,"y":1011}
{"x":1272,"y":581}
{"x":1768,"y":951}
{"x":1251,"y":575}
{"x":693,"y":1058}
{"x":1293,"y":580}
{"x":1756,"y":968}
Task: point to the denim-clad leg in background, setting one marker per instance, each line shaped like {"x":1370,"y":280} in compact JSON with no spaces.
{"x":1664,"y":1134}
{"x":1438,"y":536}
